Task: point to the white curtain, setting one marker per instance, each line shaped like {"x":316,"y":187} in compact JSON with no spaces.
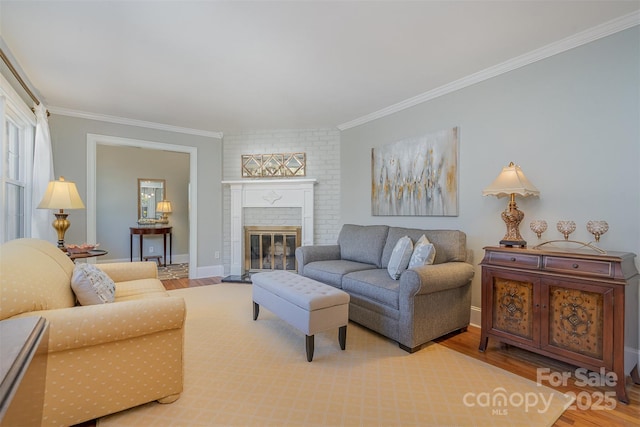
{"x":41,"y":219}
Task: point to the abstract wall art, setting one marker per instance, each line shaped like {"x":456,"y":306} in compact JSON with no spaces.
{"x":416,"y":176}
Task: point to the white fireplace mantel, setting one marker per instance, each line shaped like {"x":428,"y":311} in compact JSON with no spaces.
{"x":268,"y":193}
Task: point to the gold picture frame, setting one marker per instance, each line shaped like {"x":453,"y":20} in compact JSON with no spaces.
{"x":277,"y":165}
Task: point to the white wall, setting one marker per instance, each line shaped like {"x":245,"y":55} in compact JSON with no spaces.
{"x":322,"y":147}
{"x":69,"y":142}
{"x":571,"y":121}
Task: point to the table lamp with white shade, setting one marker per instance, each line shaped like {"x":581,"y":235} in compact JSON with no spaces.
{"x":164,"y":207}
{"x":61,"y":195}
{"x":512,"y":182}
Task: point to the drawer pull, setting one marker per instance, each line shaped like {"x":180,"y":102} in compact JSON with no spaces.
{"x":513,"y":258}
{"x":575,"y":266}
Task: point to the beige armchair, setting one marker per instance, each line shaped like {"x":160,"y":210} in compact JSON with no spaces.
{"x":101,"y":358}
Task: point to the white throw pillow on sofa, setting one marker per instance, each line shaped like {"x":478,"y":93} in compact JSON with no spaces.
{"x":424,"y":253}
{"x":400,"y":257}
{"x":92,"y":285}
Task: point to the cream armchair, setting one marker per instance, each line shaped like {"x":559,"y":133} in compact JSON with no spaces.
{"x":101,"y":358}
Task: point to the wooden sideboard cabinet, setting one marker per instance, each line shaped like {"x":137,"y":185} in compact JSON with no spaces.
{"x":570,"y":306}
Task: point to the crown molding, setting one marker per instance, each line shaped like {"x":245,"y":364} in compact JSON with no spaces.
{"x":132,"y":122}
{"x":603,"y":30}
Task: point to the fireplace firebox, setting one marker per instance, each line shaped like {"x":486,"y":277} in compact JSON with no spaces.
{"x":271,"y":248}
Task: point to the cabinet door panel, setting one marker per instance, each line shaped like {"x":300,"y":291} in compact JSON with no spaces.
{"x":576,"y":319}
{"x":513,"y":300}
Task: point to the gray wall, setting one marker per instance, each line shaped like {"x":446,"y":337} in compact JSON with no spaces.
{"x":117,"y":171}
{"x":570,"y":121}
{"x":69,"y":141}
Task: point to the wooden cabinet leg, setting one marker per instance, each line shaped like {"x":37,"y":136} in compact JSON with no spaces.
{"x":484,"y":340}
{"x":621,"y":390}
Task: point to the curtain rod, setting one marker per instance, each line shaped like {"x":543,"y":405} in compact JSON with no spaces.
{"x":22,"y":83}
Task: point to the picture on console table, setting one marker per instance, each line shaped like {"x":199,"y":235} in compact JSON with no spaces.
{"x":416,"y":176}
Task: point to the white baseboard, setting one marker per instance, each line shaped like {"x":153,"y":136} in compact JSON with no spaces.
{"x":209,"y":271}
{"x":631,"y":359}
{"x":475,"y":316}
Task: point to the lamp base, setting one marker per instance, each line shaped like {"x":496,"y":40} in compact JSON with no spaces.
{"x":512,"y":243}
{"x":61,"y":225}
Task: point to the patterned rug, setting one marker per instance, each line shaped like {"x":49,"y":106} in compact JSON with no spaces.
{"x":240,"y":372}
{"x":174,"y":271}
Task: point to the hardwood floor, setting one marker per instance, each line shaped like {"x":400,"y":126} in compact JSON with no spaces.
{"x":190,"y":283}
{"x":525,"y":364}
{"x":519,"y":362}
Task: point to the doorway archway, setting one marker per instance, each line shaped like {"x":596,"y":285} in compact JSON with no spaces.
{"x":93,"y":140}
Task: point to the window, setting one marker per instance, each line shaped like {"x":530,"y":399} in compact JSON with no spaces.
{"x":18,"y":129}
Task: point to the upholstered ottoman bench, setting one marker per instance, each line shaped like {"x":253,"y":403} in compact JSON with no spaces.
{"x":304,"y":303}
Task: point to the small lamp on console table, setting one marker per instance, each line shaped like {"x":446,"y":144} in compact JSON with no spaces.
{"x":164,"y":207}
{"x":61,"y":195}
{"x":510,"y":182}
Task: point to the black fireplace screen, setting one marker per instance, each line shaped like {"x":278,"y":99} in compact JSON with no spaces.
{"x":271,"y":248}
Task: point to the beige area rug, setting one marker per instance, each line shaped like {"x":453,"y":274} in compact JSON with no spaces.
{"x":240,"y":372}
{"x":174,"y":271}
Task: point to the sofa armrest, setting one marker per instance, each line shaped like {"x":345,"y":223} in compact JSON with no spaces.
{"x":125,"y":271}
{"x":312,"y":253}
{"x":84,"y":326}
{"x":427,"y":279}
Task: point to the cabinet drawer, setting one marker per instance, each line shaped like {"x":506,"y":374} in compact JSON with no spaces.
{"x":579,"y":266}
{"x":515,"y":260}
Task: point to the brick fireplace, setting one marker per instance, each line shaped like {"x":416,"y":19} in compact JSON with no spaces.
{"x":266,"y":194}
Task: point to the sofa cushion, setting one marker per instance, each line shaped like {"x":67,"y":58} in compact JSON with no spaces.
{"x":331,"y":272}
{"x":400,"y":257}
{"x":424,"y":253}
{"x":91,"y":285}
{"x":364,"y":243}
{"x":34,"y":275}
{"x":451,"y":245}
{"x":140,"y":289}
{"x":374,"y":285}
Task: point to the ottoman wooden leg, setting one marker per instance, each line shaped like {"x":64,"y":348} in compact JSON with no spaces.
{"x":256,"y":310}
{"x":309,"y":348}
{"x":342,"y":336}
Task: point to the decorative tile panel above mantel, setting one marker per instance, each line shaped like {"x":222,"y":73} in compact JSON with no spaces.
{"x":268,"y":193}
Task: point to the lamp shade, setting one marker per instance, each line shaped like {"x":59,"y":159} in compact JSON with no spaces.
{"x":61,"y":194}
{"x":511,"y":181}
{"x":164,"y":206}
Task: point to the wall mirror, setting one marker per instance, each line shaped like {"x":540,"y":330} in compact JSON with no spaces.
{"x":150,"y":192}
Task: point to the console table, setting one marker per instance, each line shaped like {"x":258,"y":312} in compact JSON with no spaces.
{"x":88,"y":254}
{"x":151,"y":229}
{"x":570,"y":306}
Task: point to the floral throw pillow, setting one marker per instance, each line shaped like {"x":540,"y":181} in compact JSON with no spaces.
{"x":400,"y":257}
{"x":424,"y":253}
{"x":92,"y":285}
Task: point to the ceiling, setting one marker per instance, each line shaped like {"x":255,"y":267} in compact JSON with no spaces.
{"x":220,"y":66}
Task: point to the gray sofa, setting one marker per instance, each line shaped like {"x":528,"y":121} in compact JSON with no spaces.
{"x":425,"y":303}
